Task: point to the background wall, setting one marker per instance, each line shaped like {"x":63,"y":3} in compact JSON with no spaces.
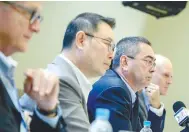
{"x":169,"y":37}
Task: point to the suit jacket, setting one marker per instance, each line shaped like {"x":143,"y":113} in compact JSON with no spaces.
{"x":157,"y":123}
{"x":71,"y":97}
{"x":112,"y":93}
{"x":10,"y":117}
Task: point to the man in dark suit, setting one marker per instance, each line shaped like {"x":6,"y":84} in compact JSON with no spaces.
{"x":19,"y":20}
{"x":162,"y":78}
{"x":132,"y":70}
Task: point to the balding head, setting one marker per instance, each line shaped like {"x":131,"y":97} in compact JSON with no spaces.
{"x":163,"y":73}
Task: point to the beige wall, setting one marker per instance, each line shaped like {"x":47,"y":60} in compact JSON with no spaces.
{"x":169,"y":37}
{"x":47,"y":44}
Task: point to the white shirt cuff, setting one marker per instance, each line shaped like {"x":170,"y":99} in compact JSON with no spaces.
{"x":158,"y":112}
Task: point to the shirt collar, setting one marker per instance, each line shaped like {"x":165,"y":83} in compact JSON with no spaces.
{"x":82,"y":79}
{"x":7,"y":63}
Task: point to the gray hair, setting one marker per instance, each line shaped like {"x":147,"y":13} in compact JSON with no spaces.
{"x":128,"y":46}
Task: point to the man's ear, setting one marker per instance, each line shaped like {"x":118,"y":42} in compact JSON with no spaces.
{"x":79,"y":39}
{"x":124,"y":62}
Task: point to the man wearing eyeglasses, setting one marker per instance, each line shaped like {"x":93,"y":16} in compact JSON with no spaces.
{"x":149,"y":98}
{"x":86,"y":53}
{"x":131,"y":71}
{"x":19,"y":21}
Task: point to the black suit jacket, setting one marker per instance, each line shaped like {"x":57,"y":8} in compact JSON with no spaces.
{"x":10,"y":117}
{"x":112,"y":93}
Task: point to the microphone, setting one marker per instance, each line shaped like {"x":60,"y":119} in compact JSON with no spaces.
{"x":181,"y":115}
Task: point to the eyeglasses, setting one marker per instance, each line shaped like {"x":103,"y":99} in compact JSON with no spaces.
{"x":149,"y":63}
{"x":111,"y":45}
{"x":35,"y":15}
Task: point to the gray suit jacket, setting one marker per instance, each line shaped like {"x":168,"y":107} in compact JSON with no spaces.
{"x":72,"y":100}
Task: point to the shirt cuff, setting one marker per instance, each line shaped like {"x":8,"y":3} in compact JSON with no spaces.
{"x":158,"y":112}
{"x":52,"y":121}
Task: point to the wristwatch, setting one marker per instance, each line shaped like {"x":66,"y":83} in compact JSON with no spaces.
{"x":47,"y":113}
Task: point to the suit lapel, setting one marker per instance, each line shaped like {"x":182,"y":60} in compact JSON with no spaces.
{"x":61,"y":68}
{"x":12,"y":114}
{"x":5,"y":96}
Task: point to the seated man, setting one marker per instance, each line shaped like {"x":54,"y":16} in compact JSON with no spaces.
{"x":132,"y":69}
{"x":86,"y":53}
{"x":149,"y":98}
{"x":19,"y":20}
